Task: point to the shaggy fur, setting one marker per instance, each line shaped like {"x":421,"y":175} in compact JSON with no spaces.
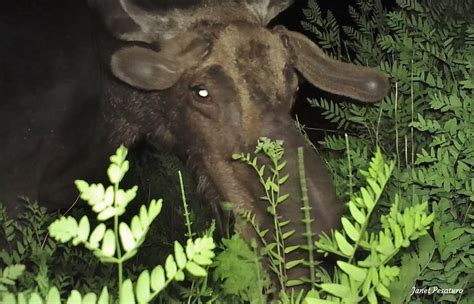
{"x":249,"y":73}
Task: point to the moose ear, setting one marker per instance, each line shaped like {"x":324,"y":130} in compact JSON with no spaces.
{"x":145,"y":69}
{"x":265,"y":11}
{"x":358,"y":82}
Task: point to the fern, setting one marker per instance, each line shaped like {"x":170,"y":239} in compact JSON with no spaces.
{"x":271,"y":184}
{"x":240,"y":270}
{"x":426,"y":48}
{"x":357,"y":278}
{"x":115,"y":245}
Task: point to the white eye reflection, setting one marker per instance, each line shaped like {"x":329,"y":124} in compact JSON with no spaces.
{"x":203,"y":93}
{"x":200,"y":91}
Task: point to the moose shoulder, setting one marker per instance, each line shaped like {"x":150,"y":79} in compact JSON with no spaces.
{"x":219,"y":80}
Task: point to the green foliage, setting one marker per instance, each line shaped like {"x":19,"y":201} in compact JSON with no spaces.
{"x":307,"y":218}
{"x":384,"y":248}
{"x":115,"y":245}
{"x":427,"y":121}
{"x":365,"y":263}
{"x":26,"y":243}
{"x":240,"y":270}
{"x":276,"y":249}
{"x":9,"y":275}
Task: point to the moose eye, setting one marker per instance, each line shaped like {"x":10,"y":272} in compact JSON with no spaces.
{"x":200,"y":92}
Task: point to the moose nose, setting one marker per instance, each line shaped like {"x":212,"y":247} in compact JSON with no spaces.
{"x":326,"y":208}
{"x":304,"y":165}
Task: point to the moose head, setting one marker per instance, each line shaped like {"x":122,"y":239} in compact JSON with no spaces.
{"x":210,"y":79}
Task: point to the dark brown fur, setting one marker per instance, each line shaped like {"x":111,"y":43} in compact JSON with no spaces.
{"x":250,"y":74}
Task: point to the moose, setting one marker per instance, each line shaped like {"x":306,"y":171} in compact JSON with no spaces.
{"x":204,"y":80}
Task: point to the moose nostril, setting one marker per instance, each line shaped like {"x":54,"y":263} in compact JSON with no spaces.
{"x":373,"y":85}
{"x":286,"y":40}
{"x":377,"y":86}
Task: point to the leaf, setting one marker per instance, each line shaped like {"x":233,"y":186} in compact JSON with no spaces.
{"x":283,"y":179}
{"x":106,"y":214}
{"x":122,"y":198}
{"x":170,"y":267}
{"x":84,"y":229}
{"x":109,"y":196}
{"x":397,"y":233}
{"x":12,"y":272}
{"x":426,"y":248}
{"x":179,"y":276}
{"x":179,"y":255}
{"x":126,"y":236}
{"x":108,"y":244}
{"x":9,"y":298}
{"x":350,"y":229}
{"x":195,"y":269}
{"x":97,"y":236}
{"x":356,"y":273}
{"x":356,"y":213}
{"x":104,"y":296}
{"x":144,"y":218}
{"x":288,"y":234}
{"x":367,"y":198}
{"x":89,"y":298}
{"x":382,"y":290}
{"x":435,"y":266}
{"x":158,"y":278}
{"x":293,"y":283}
{"x":82,"y":186}
{"x":283,"y":198}
{"x":237,"y":156}
{"x":289,"y":249}
{"x":371,"y":297}
{"x":143,"y":287}
{"x":338,"y":290}
{"x":346,"y":248}
{"x":202,"y":260}
{"x":126,"y":294}
{"x":53,"y":296}
{"x":64,"y":229}
{"x":154,"y":209}
{"x":136,"y":227}
{"x":115,"y":174}
{"x":292,"y":264}
{"x":74,"y":298}
{"x":190,"y":249}
{"x":281,"y":166}
{"x":309,"y":300}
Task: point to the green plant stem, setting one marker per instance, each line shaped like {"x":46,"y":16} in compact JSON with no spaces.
{"x":185,"y":205}
{"x":396,"y":126}
{"x":348,"y":151}
{"x":259,"y":277}
{"x":275,"y":222}
{"x":366,"y":223}
{"x":307,"y":215}
{"x":117,"y":243}
{"x":412,"y":104}
{"x":379,"y":118}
